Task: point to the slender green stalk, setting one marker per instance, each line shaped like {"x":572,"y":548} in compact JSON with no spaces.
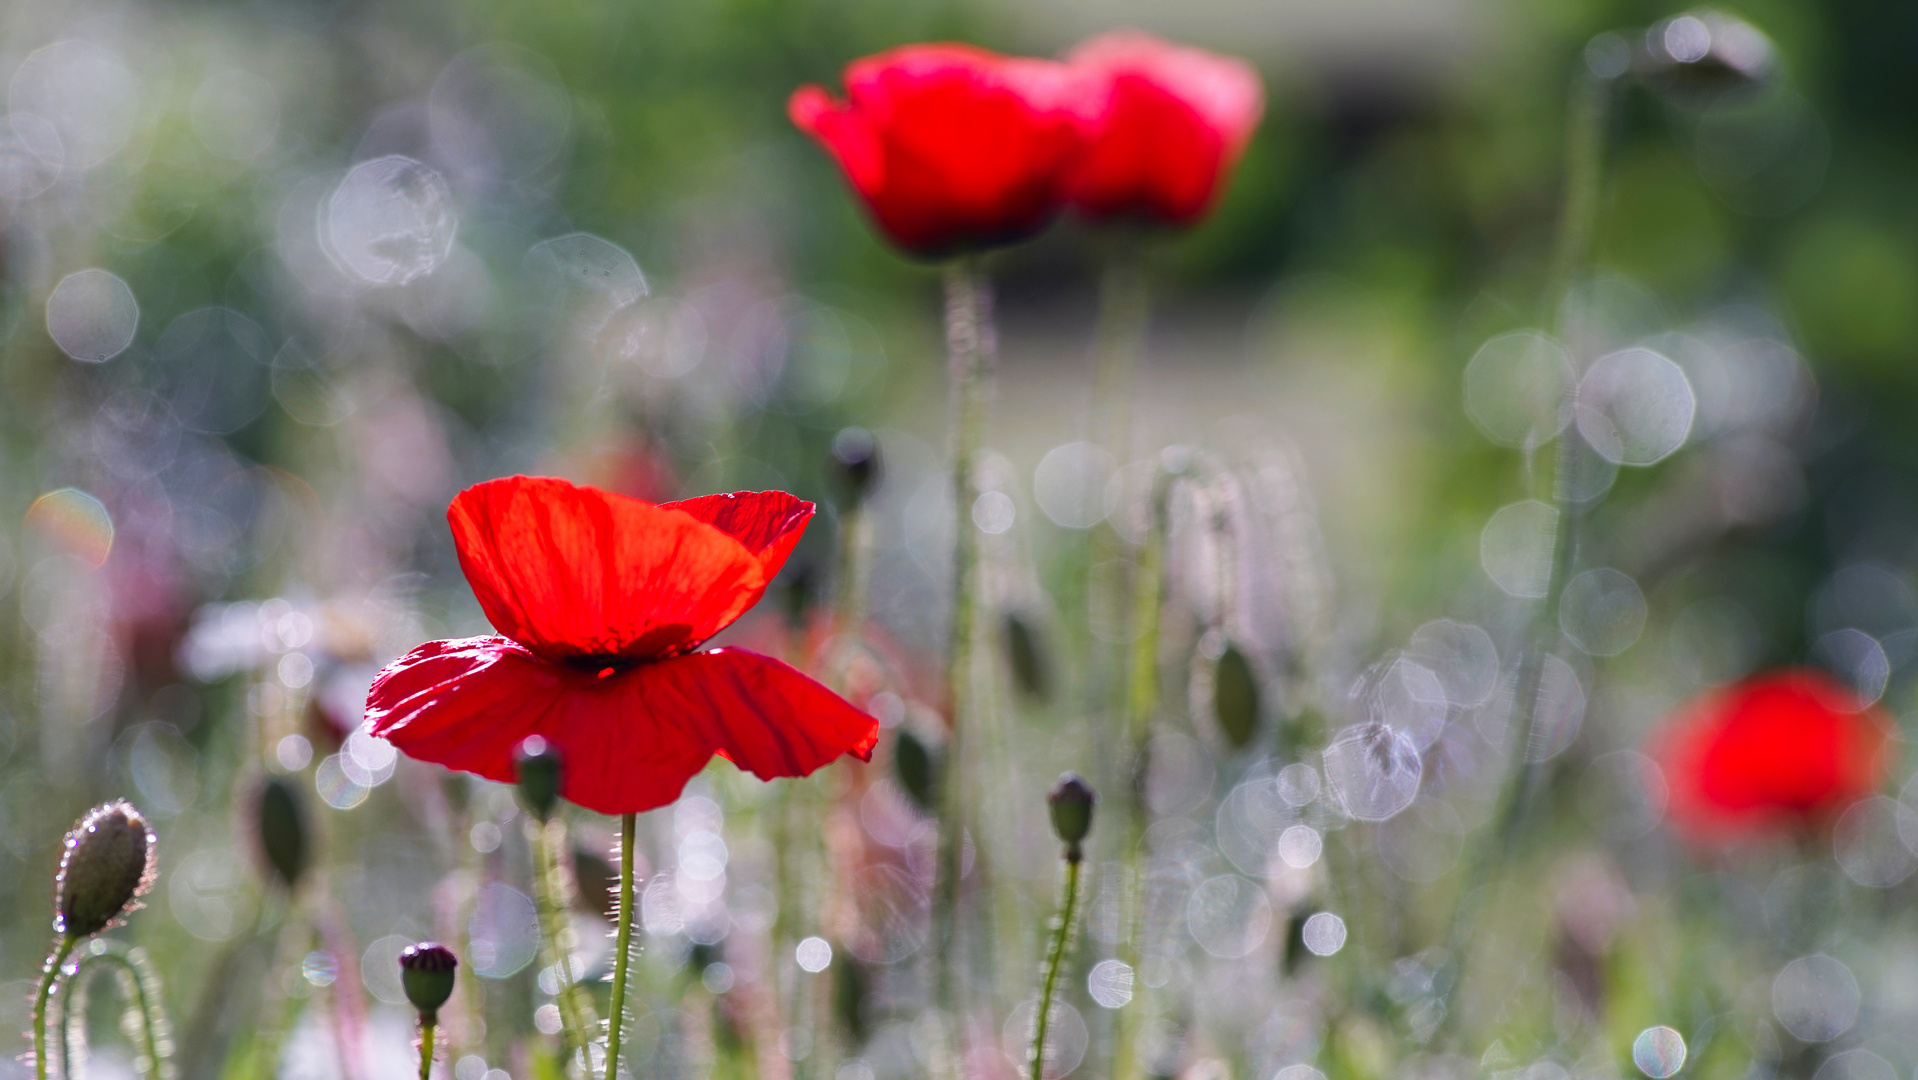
{"x":970,"y":346}
{"x":48,"y":974}
{"x":1587,"y":118}
{"x":623,"y":943}
{"x":141,"y":990}
{"x":1142,"y":694}
{"x":1056,"y":950}
{"x":426,"y":1050}
{"x":550,"y":891}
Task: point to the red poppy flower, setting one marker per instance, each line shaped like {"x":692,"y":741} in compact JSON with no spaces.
{"x":951,"y":147}
{"x":1787,"y":746}
{"x":602,"y":600}
{"x":1167,"y":125}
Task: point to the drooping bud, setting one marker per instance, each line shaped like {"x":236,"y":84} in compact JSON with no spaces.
{"x":1235,"y":698}
{"x":1070,"y":802}
{"x":1707,"y":51}
{"x":538,"y":766}
{"x":800,"y":593}
{"x":1026,"y":656}
{"x":282,"y":830}
{"x":106,"y":865}
{"x":426,"y":973}
{"x":855,"y":463}
{"x":917,"y":766}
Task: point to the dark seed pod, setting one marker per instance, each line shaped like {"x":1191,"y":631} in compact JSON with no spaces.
{"x":1235,"y":698}
{"x":855,"y":463}
{"x":426,"y":973}
{"x":1070,"y":802}
{"x":917,"y":766}
{"x":1026,"y":656}
{"x":106,"y":865}
{"x":539,"y":768}
{"x":281,"y":822}
{"x":801,"y":592}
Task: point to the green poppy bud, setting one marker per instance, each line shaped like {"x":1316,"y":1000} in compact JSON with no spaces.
{"x":106,"y":865}
{"x":539,"y":767}
{"x":855,"y":463}
{"x":282,"y":830}
{"x":917,"y":766}
{"x":1235,"y":698}
{"x":1026,"y":656}
{"x":1070,"y":802}
{"x":800,"y":593}
{"x":426,"y":973}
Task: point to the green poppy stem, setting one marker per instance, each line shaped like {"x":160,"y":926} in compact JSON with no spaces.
{"x":426,"y":1049}
{"x":48,"y":975}
{"x":623,"y":943}
{"x":142,"y":991}
{"x":970,"y":345}
{"x":1056,"y":951}
{"x":550,"y":892}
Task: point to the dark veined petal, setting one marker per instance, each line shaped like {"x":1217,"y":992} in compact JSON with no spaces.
{"x":629,"y":738}
{"x":574,"y":572}
{"x":768,"y":523}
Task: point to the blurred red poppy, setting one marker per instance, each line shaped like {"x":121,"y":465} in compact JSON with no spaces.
{"x":602,"y":600}
{"x":951,"y":147}
{"x":1790,"y":746}
{"x":1167,"y":125}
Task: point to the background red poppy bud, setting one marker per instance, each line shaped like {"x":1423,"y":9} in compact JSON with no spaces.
{"x":1165,"y":126}
{"x":951,"y":147}
{"x":106,"y":864}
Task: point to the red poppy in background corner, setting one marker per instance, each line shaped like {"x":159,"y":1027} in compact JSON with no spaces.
{"x":1166,"y":126}
{"x":602,"y":600}
{"x":951,"y":147}
{"x":1785,"y":747}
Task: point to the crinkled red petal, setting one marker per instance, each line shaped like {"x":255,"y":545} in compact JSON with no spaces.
{"x":574,"y":572}
{"x":630,"y":738}
{"x":768,"y":523}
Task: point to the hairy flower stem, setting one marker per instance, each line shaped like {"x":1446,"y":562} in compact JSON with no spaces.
{"x":48,"y":975}
{"x":1056,"y":950}
{"x":550,"y":892}
{"x":1586,"y":124}
{"x":142,"y":992}
{"x":970,"y":346}
{"x":426,"y":1049}
{"x":623,"y":943}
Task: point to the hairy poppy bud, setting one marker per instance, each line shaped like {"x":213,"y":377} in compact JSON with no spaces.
{"x":855,"y":463}
{"x":1026,"y":656}
{"x":917,"y":767}
{"x":282,"y":830}
{"x":106,"y":865}
{"x":1070,"y":802}
{"x":539,"y":767}
{"x":1235,"y":698}
{"x":426,"y":973}
{"x":1707,"y":51}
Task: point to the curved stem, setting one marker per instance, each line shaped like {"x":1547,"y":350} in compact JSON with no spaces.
{"x":1055,"y":960}
{"x":550,"y":894}
{"x":970,"y":345}
{"x":48,"y":974}
{"x":426,"y":1049}
{"x":142,"y":994}
{"x":623,"y":945}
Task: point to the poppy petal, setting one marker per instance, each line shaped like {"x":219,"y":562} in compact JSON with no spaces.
{"x":768,"y":523}
{"x":763,"y":715}
{"x":574,"y":572}
{"x":630,"y":739}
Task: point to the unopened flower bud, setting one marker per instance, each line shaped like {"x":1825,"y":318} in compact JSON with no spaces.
{"x":539,"y":767}
{"x":1027,"y":657}
{"x":106,"y":865}
{"x":1235,"y":698}
{"x":1070,"y":802}
{"x":918,"y":768}
{"x":855,"y":461}
{"x":282,"y":830}
{"x":426,"y":973}
{"x":801,"y":592}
